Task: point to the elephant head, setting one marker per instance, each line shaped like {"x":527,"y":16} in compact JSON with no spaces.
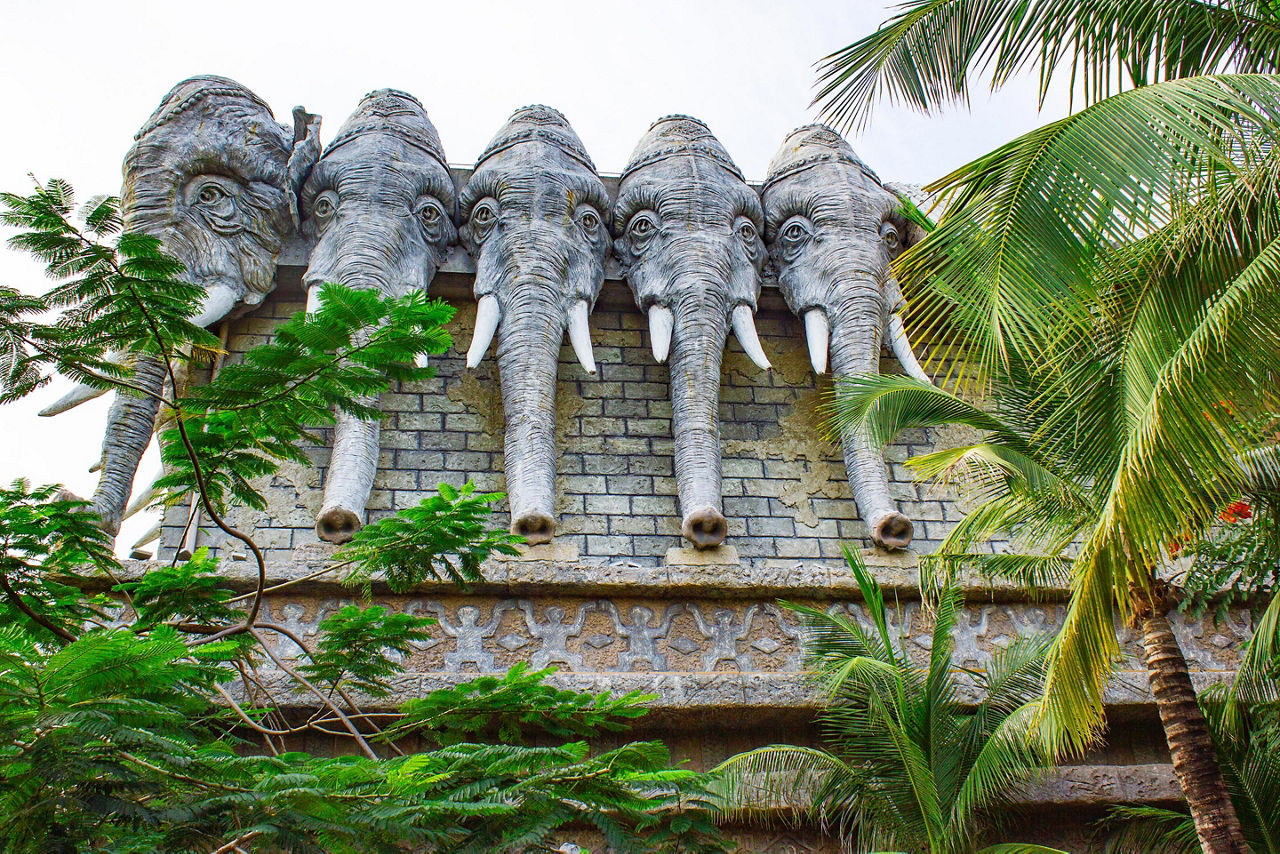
{"x":213,"y":176}
{"x":380,"y":206}
{"x":534,"y":217}
{"x":689,"y":240}
{"x":833,"y":229}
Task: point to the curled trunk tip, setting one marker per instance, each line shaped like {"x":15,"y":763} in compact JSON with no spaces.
{"x":338,"y":525}
{"x":535,"y":527}
{"x":706,"y":528}
{"x":892,"y":531}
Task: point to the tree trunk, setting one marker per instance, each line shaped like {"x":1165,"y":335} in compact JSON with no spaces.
{"x":1194,"y":760}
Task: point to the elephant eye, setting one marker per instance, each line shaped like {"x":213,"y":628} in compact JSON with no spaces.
{"x":589,"y":220}
{"x":214,"y":197}
{"x":642,"y":229}
{"x":325,"y":206}
{"x":747,"y":232}
{"x":483,"y":218}
{"x":430,"y":213}
{"x":889,"y":234}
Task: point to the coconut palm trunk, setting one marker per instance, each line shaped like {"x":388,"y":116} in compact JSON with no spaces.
{"x":1187,"y":732}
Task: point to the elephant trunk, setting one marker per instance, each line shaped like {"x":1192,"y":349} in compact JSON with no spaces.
{"x":529,"y":337}
{"x":856,"y":327}
{"x":697,"y":347}
{"x":352,"y":467}
{"x":130,"y":424}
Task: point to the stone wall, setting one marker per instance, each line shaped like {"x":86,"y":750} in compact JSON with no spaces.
{"x":618,"y":604}
{"x":785,"y":491}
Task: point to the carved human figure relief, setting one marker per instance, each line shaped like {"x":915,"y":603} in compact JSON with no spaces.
{"x":642,"y":636}
{"x":554,"y":633}
{"x":725,"y":632}
{"x":469,"y":635}
{"x":534,"y":217}
{"x":214,"y":177}
{"x":688,"y":236}
{"x":380,"y":206}
{"x":832,"y":229}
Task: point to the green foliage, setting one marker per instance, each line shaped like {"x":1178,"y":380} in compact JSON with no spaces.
{"x":930,"y":53}
{"x":46,"y":538}
{"x":511,"y":704}
{"x":445,"y":536}
{"x":262,"y":411}
{"x":190,"y":592}
{"x":906,"y":765}
{"x":126,"y":297}
{"x":354,"y":643}
{"x":1248,"y":752}
{"x":169,"y":733}
{"x":1236,"y":563}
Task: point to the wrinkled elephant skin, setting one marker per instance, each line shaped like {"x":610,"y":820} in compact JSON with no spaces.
{"x":534,"y":220}
{"x":380,"y":206}
{"x":213,"y":176}
{"x":688,"y":236}
{"x":833,"y":229}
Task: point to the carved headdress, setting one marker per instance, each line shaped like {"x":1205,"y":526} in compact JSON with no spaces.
{"x":672,"y":136}
{"x":808,"y":146}
{"x":399,"y":114}
{"x":538,"y":123}
{"x":211,"y":119}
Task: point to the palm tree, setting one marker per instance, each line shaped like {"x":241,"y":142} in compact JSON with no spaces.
{"x":1111,"y":279}
{"x":1249,"y":753}
{"x":909,"y":765}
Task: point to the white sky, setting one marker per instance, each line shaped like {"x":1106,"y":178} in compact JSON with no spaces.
{"x":78,"y":78}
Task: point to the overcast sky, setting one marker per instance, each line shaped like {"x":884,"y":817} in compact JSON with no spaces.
{"x":78,"y":78}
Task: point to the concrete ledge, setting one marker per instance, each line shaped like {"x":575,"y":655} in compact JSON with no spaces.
{"x":555,"y":570}
{"x":683,"y":691}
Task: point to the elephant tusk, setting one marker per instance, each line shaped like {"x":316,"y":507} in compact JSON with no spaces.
{"x":152,"y":534}
{"x":142,"y":499}
{"x":314,"y":301}
{"x":818,"y":332}
{"x":580,"y":335}
{"x":488,"y":314}
{"x":661,"y":322}
{"x":80,"y":394}
{"x":421,"y":360}
{"x":744,"y":327}
{"x":217,"y":302}
{"x":902,"y":349}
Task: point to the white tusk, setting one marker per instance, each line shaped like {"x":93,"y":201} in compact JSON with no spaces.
{"x":80,"y":394}
{"x":96,"y":467}
{"x":217,"y":303}
{"x":580,"y":335}
{"x":902,"y":349}
{"x":744,"y":326}
{"x":818,"y":333}
{"x":150,"y":536}
{"x":314,"y":301}
{"x":143,"y":498}
{"x":488,"y":313}
{"x":661,"y":322}
{"x":421,"y":360}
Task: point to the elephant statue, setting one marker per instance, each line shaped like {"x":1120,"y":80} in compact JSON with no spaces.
{"x":381,"y":207}
{"x":832,"y":229}
{"x":688,"y":236}
{"x":214,"y":177}
{"x":534,"y":218}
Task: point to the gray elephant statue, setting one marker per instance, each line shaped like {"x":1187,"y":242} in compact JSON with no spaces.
{"x":534,"y":217}
{"x":214,"y":177}
{"x":380,"y":206}
{"x":832,"y":229}
{"x":688,"y":236}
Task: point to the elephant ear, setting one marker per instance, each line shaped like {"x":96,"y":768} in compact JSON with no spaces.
{"x":306,"y":151}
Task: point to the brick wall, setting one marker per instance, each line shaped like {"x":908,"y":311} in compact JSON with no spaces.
{"x":785,"y":491}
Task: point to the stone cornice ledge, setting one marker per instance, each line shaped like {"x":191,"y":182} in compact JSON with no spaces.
{"x":695,"y":692}
{"x":714,"y":574}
